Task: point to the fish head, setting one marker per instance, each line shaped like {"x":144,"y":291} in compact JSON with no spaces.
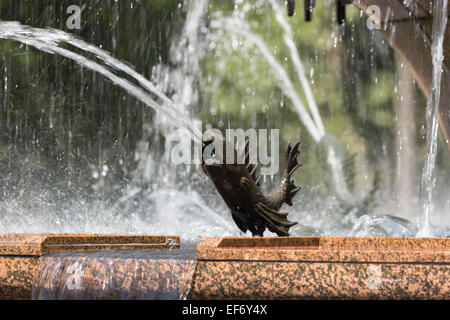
{"x":214,"y":164}
{"x":211,"y":157}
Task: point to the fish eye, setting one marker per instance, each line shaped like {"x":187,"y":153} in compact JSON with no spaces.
{"x":213,"y":153}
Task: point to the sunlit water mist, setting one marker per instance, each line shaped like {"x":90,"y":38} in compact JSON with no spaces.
{"x":162,"y":198}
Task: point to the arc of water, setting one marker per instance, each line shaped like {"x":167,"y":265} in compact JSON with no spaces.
{"x":298,"y":65}
{"x":55,"y":36}
{"x":47,"y":40}
{"x":237,"y":26}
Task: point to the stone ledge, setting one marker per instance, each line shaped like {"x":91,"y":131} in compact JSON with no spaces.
{"x":322,"y":268}
{"x":326,"y":249}
{"x":19,"y":244}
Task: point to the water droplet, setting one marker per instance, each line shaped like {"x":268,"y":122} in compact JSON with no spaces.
{"x":105,"y":170}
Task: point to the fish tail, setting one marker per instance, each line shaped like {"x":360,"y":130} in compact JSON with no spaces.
{"x":287,"y":187}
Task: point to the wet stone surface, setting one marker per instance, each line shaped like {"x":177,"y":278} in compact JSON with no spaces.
{"x":143,"y":275}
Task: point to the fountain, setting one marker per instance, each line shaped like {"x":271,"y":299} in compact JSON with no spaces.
{"x":106,"y":198}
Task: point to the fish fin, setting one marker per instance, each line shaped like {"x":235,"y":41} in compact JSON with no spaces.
{"x":276,"y":221}
{"x":245,"y":153}
{"x":258,"y":182}
{"x":291,"y":155}
{"x":291,"y":165}
{"x":251,"y":168}
{"x":272,"y":211}
{"x":253,"y":172}
{"x":244,"y":183}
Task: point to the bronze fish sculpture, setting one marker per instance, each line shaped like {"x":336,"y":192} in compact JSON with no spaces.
{"x":240,"y":189}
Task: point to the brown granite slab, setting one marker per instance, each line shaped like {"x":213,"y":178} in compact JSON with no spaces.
{"x":17,"y":244}
{"x":253,"y":280}
{"x":17,"y":276}
{"x":322,"y":268}
{"x":20,"y":254}
{"x":326,"y":249}
{"x":239,"y":268}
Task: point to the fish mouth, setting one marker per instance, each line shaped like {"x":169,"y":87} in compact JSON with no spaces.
{"x":206,"y":142}
{"x":212,"y":163}
{"x":209,"y":160}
